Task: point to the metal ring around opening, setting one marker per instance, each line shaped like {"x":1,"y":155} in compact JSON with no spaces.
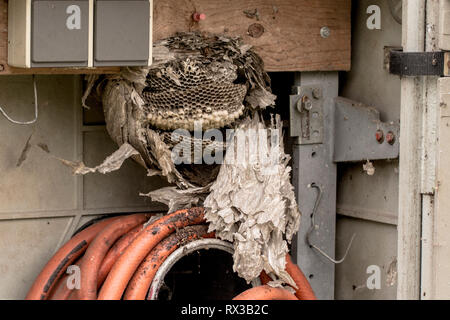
{"x":183,"y":251}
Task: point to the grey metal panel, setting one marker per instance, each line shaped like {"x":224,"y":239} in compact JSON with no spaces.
{"x":25,"y":248}
{"x":117,"y":188}
{"x":39,"y":182}
{"x":369,"y":197}
{"x":121,"y":33}
{"x":375,"y":245}
{"x":53,"y":43}
{"x":314,"y":163}
{"x":41,"y":202}
{"x":364,"y":195}
{"x":368,"y":82}
{"x":355,"y":129}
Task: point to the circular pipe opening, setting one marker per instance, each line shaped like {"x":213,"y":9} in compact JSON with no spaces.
{"x":202,"y":270}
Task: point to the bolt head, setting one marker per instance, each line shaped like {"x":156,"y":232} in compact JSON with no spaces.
{"x":390,"y":138}
{"x":317,"y":93}
{"x":325,"y":32}
{"x":379,"y":136}
{"x":306,"y":103}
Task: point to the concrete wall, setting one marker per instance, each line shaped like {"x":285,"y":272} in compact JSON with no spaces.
{"x":41,"y":202}
{"x":368,"y":205}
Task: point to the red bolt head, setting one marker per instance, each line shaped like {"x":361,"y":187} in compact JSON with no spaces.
{"x":390,"y":137}
{"x":198,"y":16}
{"x":379,"y":135}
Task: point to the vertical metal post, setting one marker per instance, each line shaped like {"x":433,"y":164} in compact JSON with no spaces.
{"x":313,"y":163}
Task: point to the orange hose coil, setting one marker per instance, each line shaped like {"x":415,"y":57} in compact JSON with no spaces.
{"x":128,"y":255}
{"x":115,"y":252}
{"x":98,"y":249}
{"x":124,"y":268}
{"x":265,"y":293}
{"x":61,"y":290}
{"x":140,"y":283}
{"x":304,"y":290}
{"x":67,"y":254}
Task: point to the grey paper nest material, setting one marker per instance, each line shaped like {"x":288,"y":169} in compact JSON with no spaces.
{"x":252,"y":202}
{"x":194,"y":77}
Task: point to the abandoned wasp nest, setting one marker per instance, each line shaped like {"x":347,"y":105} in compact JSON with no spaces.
{"x":220,"y":83}
{"x":215,"y":81}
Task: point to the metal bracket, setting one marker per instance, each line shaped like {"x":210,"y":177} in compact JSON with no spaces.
{"x":306,"y":115}
{"x":359,"y":134}
{"x":418,"y":63}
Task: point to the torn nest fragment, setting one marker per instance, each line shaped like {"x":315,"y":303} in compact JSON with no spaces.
{"x":252,"y":202}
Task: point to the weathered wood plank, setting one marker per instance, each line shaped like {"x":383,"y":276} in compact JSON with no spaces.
{"x":291,"y":40}
{"x":413,"y":108}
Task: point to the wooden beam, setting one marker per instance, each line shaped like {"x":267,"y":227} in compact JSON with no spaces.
{"x":286,"y":33}
{"x":410,"y":199}
{"x":291,"y":40}
{"x":440,"y":241}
